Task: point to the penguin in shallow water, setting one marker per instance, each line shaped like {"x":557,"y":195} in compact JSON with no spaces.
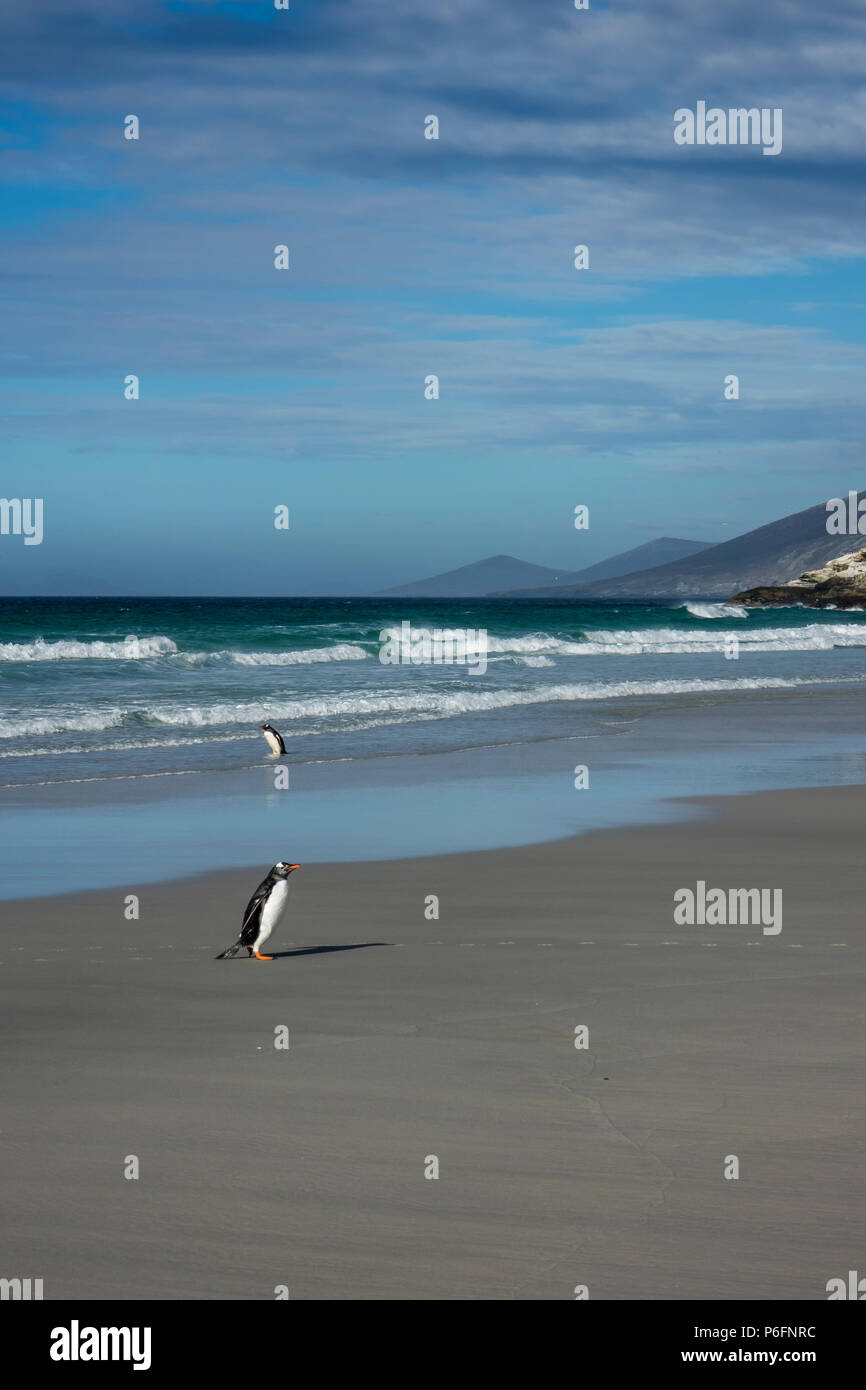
{"x":263,"y":912}
{"x":273,"y":739}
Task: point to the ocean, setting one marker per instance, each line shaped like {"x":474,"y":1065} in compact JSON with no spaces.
{"x":102,"y":688}
{"x":135,"y":721}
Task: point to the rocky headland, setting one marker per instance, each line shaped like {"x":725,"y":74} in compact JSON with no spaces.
{"x":841,"y":583}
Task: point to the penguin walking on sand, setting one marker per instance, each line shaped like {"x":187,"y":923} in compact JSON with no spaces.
{"x":263,"y":912}
{"x":273,"y":740}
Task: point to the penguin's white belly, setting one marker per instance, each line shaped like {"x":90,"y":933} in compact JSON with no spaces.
{"x":272,"y":912}
{"x":272,"y":743}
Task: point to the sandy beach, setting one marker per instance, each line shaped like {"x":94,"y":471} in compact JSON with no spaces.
{"x":304,"y":1167}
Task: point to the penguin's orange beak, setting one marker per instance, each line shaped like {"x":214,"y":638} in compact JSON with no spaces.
{"x":294,"y":866}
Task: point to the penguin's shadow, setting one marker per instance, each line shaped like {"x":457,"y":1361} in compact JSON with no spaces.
{"x":324,"y":950}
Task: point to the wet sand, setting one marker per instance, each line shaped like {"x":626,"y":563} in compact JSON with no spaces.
{"x":409,"y":1038}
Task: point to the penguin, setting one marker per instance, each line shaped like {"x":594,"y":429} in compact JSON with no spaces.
{"x":273,"y":740}
{"x":263,"y":912}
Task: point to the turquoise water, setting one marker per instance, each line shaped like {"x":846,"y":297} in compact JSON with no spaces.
{"x":129,"y":748}
{"x":100,"y":688}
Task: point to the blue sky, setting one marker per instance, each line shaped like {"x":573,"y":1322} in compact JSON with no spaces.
{"x":411,"y":257}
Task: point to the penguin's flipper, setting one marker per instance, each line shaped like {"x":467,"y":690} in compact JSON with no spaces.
{"x":252,"y":915}
{"x":250,"y":928}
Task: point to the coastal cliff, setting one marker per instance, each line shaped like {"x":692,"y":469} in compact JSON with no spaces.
{"x":841,"y":583}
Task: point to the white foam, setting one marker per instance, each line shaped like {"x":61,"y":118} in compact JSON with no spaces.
{"x":716,"y":610}
{"x":343,"y":651}
{"x":667,"y":641}
{"x":436,"y":704}
{"x":527,"y":659}
{"x":63,"y":722}
{"x":389,"y":707}
{"x":130,"y":649}
{"x":143,"y":648}
{"x":542,"y":643}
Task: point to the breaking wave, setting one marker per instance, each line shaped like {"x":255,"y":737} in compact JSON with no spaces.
{"x":716,"y":610}
{"x":130,"y":649}
{"x":343,"y":651}
{"x":389,"y":706}
{"x":536,"y":649}
{"x":143,"y":648}
{"x":63,"y":722}
{"x":667,"y":641}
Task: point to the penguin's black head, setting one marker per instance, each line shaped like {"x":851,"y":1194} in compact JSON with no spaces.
{"x":267,"y":726}
{"x":282,"y":869}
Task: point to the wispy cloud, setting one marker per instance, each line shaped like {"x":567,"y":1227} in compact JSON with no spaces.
{"x":452,"y":256}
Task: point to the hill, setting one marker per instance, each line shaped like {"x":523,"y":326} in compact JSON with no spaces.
{"x":496,"y":572}
{"x":770,"y":555}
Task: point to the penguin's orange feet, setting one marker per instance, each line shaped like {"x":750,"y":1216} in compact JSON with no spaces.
{"x":259,"y":957}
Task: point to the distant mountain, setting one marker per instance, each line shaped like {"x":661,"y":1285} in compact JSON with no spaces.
{"x":769,"y":555}
{"x":471,"y":581}
{"x":662,"y":551}
{"x":503,"y":574}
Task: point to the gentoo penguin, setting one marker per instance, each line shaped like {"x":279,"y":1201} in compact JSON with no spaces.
{"x":273,"y":739}
{"x":263,"y":912}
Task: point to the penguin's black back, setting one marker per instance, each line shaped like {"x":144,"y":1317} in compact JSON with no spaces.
{"x":253,"y":910}
{"x":277,"y":735}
